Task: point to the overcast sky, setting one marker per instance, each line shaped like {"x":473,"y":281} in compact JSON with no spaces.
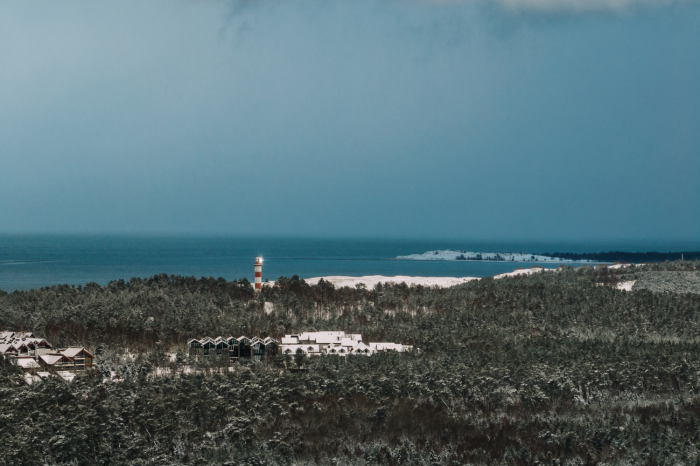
{"x":511,"y":119}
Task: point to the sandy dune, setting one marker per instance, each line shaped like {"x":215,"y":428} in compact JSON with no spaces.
{"x":442,"y":282}
{"x":370,"y":281}
{"x":522,"y":272}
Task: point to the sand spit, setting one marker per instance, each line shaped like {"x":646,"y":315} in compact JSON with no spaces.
{"x":522,"y":272}
{"x":441,"y":282}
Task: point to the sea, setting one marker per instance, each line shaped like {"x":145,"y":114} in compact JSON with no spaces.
{"x":34,"y":261}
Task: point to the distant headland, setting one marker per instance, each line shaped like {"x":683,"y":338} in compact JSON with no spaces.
{"x":562,"y":257}
{"x":450,"y":255}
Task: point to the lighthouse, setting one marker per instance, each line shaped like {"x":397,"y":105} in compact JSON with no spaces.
{"x":258,"y":274}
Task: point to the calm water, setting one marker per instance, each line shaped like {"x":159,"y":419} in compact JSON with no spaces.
{"x":28,"y":262}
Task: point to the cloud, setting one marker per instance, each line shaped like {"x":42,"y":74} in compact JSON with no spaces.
{"x":579,"y":5}
{"x":240,"y":7}
{"x":564,"y":6}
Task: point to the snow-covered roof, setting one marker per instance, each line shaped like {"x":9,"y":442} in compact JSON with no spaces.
{"x":4,"y":348}
{"x":320,"y":337}
{"x":390,"y":347}
{"x":309,"y":349}
{"x":361,"y":347}
{"x":27,"y":363}
{"x":52,"y":359}
{"x":73,"y":351}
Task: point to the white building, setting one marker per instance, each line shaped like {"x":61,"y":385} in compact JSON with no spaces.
{"x":17,"y":344}
{"x":317,"y":343}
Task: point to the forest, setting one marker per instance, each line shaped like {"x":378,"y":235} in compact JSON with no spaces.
{"x":556,"y":368}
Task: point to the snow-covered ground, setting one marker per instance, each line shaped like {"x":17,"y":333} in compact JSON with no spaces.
{"x":370,"y":281}
{"x":626,"y":286}
{"x":449,"y":255}
{"x":66,"y":375}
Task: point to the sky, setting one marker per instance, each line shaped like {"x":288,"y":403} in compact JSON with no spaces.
{"x":558,"y":120}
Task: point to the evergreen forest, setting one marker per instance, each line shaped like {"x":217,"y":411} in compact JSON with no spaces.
{"x":553,"y":368}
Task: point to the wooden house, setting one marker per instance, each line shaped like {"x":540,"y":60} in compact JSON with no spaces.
{"x":233,"y":347}
{"x":79,"y":355}
{"x":195,"y":347}
{"x":9,"y":350}
{"x":55,"y":361}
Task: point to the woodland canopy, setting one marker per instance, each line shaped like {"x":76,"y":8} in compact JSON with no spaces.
{"x":548,"y":368}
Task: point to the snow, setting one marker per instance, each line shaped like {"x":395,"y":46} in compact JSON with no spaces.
{"x":626,"y":286}
{"x":450,"y":255}
{"x":372,"y":280}
{"x":66,"y":375}
{"x":27,"y":363}
{"x":619,"y":266}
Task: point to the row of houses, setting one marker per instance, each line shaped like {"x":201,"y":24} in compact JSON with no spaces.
{"x":310,"y":343}
{"x":233,"y":348}
{"x":23,"y":344}
{"x":31,"y":353}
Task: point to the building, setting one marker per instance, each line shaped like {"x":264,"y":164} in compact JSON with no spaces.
{"x":15,"y":344}
{"x":336,"y":343}
{"x":55,"y":361}
{"x":31,"y":353}
{"x":233,"y":348}
{"x":27,"y":363}
{"x":79,"y":355}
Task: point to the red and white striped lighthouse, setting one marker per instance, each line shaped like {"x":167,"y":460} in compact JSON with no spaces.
{"x":258,"y":274}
